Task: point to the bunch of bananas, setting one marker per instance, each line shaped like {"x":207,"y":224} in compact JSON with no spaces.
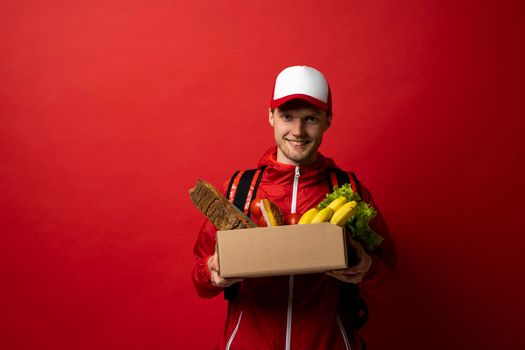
{"x":338,"y":212}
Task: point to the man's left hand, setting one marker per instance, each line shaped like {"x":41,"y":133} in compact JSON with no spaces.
{"x":356,"y":273}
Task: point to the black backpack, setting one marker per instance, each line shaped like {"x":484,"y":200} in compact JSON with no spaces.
{"x":242,"y":189}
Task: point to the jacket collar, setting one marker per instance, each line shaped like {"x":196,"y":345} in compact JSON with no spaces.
{"x":318,"y":168}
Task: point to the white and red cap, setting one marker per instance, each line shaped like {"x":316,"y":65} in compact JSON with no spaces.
{"x":305,"y":83}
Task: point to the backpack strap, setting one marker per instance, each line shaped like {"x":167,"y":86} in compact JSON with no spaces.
{"x":338,"y":177}
{"x":242,"y":189}
{"x":243,"y":186}
{"x":354,"y":308}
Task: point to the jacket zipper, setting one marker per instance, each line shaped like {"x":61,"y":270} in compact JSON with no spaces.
{"x":294,"y":190}
{"x":234,"y":332}
{"x":290,"y":288}
{"x":343,"y":332}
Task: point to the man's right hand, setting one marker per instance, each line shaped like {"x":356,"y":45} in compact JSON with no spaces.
{"x":216,"y":279}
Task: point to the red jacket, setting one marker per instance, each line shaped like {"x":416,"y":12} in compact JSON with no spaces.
{"x":289,"y":312}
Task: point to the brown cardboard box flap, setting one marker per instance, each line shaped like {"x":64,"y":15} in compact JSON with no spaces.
{"x":281,"y":250}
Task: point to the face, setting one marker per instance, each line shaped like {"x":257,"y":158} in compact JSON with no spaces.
{"x":298,"y":132}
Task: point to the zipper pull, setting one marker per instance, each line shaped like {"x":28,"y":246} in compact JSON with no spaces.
{"x":293,"y":206}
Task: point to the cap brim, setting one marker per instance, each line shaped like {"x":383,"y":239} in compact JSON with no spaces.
{"x":319,"y":104}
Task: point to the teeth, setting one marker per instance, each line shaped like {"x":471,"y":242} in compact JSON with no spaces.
{"x":298,"y":143}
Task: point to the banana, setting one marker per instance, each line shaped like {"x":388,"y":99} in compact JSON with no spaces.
{"x":343,"y":214}
{"x":307,"y":217}
{"x":337,"y":203}
{"x":323,"y":215}
{"x":314,"y":216}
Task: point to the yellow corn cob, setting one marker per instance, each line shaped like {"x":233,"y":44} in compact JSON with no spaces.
{"x":337,"y":203}
{"x":323,"y":215}
{"x":344,"y":213}
{"x":307,"y":217}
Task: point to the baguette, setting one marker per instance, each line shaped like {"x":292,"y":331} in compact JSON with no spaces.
{"x":223,"y":214}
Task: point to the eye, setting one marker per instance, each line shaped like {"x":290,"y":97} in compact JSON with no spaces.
{"x":312,"y":120}
{"x":286,"y":117}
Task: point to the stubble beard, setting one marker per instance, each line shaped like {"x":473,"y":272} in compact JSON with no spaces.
{"x":303,"y":158}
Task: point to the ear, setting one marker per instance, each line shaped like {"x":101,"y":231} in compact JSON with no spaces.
{"x":329,"y":120}
{"x":270,"y":117}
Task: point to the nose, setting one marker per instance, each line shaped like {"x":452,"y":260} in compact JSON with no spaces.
{"x":298,"y":128}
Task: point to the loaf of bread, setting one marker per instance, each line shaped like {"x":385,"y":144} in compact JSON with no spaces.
{"x":223,"y":214}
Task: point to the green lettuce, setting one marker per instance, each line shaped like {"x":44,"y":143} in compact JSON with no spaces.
{"x":358,"y":224}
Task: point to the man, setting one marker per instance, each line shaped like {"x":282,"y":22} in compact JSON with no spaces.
{"x":296,"y":311}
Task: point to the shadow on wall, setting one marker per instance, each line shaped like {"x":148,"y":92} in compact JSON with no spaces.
{"x":424,"y":311}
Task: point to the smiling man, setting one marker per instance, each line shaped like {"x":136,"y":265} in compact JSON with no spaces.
{"x":300,"y":112}
{"x":320,"y":311}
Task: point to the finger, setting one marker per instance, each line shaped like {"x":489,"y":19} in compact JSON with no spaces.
{"x":359,"y":268}
{"x":336,"y":276}
{"x":349,"y":271}
{"x":364,"y":264}
{"x":214,"y":277}
{"x":346,"y":277}
{"x":228,"y":282}
{"x":343,"y":278}
{"x":329,"y":273}
{"x":231,"y":281}
{"x":211,"y":261}
{"x":352,"y":279}
{"x":218,"y":281}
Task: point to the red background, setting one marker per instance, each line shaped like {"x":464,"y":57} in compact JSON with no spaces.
{"x":111,"y":110}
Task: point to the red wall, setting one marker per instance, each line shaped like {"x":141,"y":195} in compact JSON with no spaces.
{"x":111,"y":110}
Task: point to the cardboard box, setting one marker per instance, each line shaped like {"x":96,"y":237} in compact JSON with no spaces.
{"x":281,"y":250}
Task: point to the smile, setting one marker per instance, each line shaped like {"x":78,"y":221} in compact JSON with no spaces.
{"x":298,"y":142}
